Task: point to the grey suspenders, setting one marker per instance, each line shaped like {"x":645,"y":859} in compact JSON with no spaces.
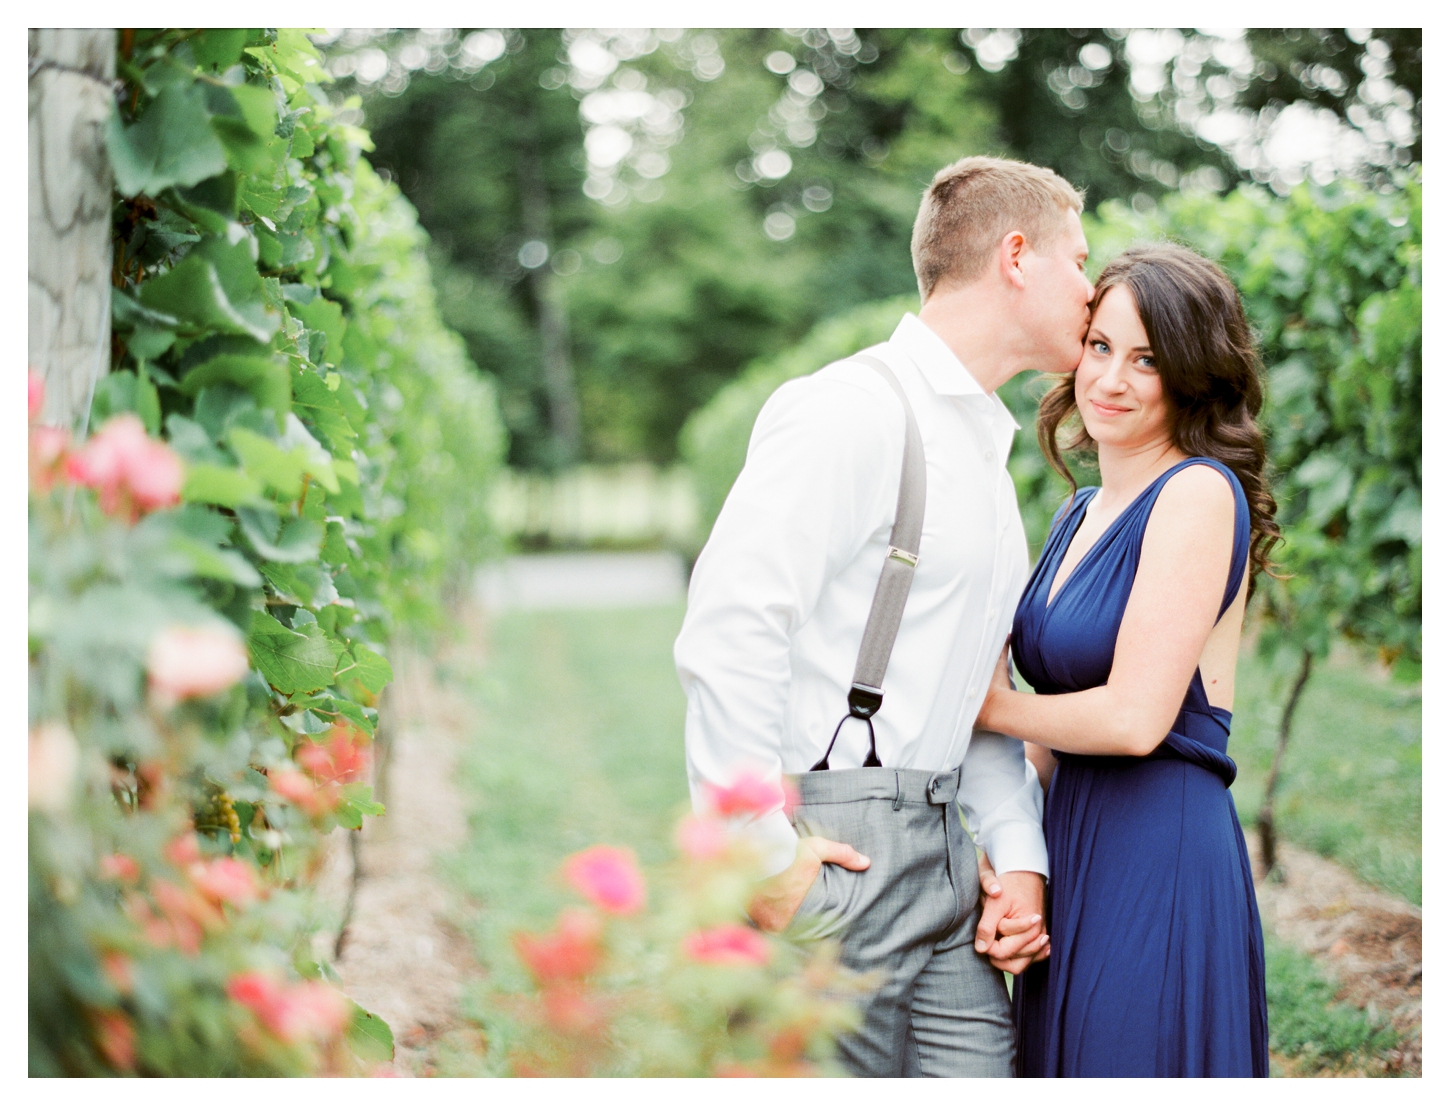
{"x":864,"y":698}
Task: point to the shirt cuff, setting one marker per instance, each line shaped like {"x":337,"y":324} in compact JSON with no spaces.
{"x":1016,"y":847}
{"x":776,"y":839}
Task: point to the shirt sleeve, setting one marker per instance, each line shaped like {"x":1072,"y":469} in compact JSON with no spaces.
{"x":817,"y":483}
{"x":1003,"y":802}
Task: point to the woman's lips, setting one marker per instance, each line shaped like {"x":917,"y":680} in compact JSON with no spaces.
{"x":1107,"y":410}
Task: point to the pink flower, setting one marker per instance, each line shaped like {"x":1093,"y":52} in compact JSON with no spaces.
{"x":343,"y":758}
{"x":572,"y":951}
{"x":298,"y":788}
{"x":116,"y":1039}
{"x":36,"y":386}
{"x":292,"y":1012}
{"x":731,"y":945}
{"x":610,"y":878}
{"x":131,"y":473}
{"x":752,"y":794}
{"x":183,"y":851}
{"x":54,"y":758}
{"x":701,"y":838}
{"x":48,"y":445}
{"x":192,"y":662}
{"x":227,"y":880}
{"x":119,"y":866}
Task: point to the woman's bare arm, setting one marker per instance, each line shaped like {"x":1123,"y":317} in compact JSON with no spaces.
{"x":1041,"y":758}
{"x":1187,"y":548}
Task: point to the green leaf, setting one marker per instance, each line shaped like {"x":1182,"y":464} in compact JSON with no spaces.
{"x":356,"y":805}
{"x":280,"y":469}
{"x":125,"y":391}
{"x":310,"y":584}
{"x":216,"y":287}
{"x":218,"y":48}
{"x":368,"y":669}
{"x":295,"y":541}
{"x":263,"y":376}
{"x":320,"y":406}
{"x":315,"y":460}
{"x":225,"y":487}
{"x":326,"y":316}
{"x":172,"y":144}
{"x":292,"y":660}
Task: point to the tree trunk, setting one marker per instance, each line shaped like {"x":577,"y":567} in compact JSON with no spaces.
{"x":553,"y":320}
{"x":71,"y":78}
{"x":1267,"y":840}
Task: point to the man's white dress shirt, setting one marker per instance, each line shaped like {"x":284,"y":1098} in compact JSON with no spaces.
{"x":779,"y":596}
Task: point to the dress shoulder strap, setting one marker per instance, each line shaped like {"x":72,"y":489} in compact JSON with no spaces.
{"x":1238,"y":563}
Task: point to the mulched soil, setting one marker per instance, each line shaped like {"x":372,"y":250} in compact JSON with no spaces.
{"x":1365,"y":939}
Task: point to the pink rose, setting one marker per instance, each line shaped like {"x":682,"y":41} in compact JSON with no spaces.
{"x":227,"y":880}
{"x":572,"y":951}
{"x":48,"y":445}
{"x":192,"y":662}
{"x":183,"y":851}
{"x":116,"y":1039}
{"x":343,"y":758}
{"x":54,"y":758}
{"x":119,"y":866}
{"x":752,"y":794}
{"x":298,"y":788}
{"x":728,"y":945}
{"x":610,"y":878}
{"x":35,"y":384}
{"x":701,"y":838}
{"x":131,"y":473}
{"x":309,"y":1010}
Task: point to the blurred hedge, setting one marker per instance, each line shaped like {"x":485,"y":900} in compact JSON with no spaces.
{"x":276,"y":329}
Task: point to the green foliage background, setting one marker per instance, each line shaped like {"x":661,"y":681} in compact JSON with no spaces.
{"x":1331,"y":282}
{"x":274,"y":322}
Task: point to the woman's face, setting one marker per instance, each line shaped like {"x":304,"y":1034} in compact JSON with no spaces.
{"x":1117,"y":387}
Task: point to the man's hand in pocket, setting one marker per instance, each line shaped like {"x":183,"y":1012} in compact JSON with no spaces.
{"x":779,"y":897}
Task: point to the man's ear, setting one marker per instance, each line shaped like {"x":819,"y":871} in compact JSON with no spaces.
{"x":1009,"y":258}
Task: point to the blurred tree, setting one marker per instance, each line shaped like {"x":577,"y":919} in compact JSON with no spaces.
{"x":491,"y":163}
{"x":702,"y":198}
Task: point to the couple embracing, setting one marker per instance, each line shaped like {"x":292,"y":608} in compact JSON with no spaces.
{"x":849,"y":626}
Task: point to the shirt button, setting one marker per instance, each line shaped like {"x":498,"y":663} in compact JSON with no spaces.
{"x":991,"y":455}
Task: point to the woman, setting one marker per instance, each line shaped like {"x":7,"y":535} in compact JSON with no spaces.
{"x":1128,"y":630}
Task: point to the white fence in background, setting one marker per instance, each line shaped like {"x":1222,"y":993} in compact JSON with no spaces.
{"x":633,"y":504}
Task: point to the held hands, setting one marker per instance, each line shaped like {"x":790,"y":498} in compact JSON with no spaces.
{"x":780,"y":896}
{"x":1010,"y":932}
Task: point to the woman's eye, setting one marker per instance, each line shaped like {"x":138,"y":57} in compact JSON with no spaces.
{"x":1098,"y":347}
{"x":1147,"y":362}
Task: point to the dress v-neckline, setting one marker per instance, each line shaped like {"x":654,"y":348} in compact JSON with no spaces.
{"x":1052,"y":595}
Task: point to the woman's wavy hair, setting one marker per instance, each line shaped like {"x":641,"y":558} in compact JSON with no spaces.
{"x":1208,"y":362}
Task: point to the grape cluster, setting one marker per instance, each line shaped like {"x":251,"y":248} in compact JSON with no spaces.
{"x":218,"y":815}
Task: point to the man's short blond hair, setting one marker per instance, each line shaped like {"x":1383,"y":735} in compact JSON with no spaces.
{"x":972,"y":204}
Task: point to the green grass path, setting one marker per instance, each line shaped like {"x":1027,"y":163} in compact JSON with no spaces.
{"x":578,"y":741}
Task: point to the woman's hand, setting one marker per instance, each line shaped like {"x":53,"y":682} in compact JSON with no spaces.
{"x":1001,"y":682}
{"x":1002,"y":674}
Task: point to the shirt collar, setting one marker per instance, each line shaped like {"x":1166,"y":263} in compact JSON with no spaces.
{"x":938,"y":364}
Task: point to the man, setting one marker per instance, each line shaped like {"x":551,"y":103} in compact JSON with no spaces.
{"x":778,"y":604}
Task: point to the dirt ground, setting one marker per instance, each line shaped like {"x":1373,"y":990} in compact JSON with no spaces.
{"x":1366,"y":940}
{"x":403,"y":959}
{"x":400,"y":956}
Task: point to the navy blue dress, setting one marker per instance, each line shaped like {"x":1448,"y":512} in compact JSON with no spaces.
{"x":1157,"y":965}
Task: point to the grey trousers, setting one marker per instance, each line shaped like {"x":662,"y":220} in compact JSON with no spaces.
{"x":942,"y":1009}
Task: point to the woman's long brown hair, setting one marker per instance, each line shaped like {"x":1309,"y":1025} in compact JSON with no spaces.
{"x":1206,"y":357}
